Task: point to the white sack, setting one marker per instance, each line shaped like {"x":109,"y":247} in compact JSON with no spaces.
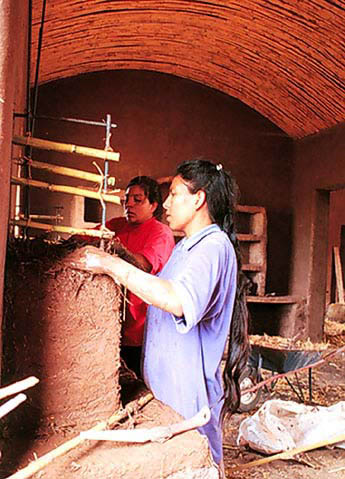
{"x":282,"y":425}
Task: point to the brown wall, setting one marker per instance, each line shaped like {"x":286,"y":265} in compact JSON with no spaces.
{"x":163,"y":120}
{"x":319,"y":169}
{"x":13,"y":25}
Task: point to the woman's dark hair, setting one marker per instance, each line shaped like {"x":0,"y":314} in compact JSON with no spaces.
{"x":152,"y":191}
{"x":221,"y":196}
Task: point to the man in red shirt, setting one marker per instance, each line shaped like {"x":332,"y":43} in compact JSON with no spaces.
{"x":149,"y":242}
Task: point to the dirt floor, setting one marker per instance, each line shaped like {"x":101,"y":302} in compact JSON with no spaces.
{"x":328,"y":388}
{"x":61,"y":454}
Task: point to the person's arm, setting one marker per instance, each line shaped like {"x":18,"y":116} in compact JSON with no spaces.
{"x":138,"y":259}
{"x":151,"y":289}
{"x":157,"y":247}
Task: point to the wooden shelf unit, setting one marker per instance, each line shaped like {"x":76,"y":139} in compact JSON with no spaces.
{"x":252,"y":235}
{"x":270,"y":314}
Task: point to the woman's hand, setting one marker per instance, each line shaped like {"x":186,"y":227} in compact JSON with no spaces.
{"x":149,"y":288}
{"x":91,"y":259}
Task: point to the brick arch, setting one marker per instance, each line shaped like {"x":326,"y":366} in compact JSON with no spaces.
{"x":284,"y":59}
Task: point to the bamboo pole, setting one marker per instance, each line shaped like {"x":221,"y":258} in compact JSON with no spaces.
{"x":153,"y":434}
{"x":338,"y":274}
{"x":43,"y":461}
{"x":62,"y":229}
{"x":65,"y":148}
{"x":43,"y":217}
{"x":18,"y":386}
{"x":72,"y":172}
{"x":72,"y":190}
{"x":11,"y":404}
{"x":288,"y":454}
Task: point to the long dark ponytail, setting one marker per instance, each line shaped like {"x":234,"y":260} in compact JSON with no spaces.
{"x":222,"y":196}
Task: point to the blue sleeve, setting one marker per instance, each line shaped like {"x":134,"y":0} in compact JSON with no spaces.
{"x":200,"y":285}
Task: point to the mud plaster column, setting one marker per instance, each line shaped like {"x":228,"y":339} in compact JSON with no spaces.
{"x":63,"y":326}
{"x":13,"y":54}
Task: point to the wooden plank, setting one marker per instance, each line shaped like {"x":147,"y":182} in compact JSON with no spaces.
{"x":274,"y":299}
{"x":250,"y":209}
{"x":338,"y":274}
{"x":249,"y":237}
{"x":252,"y":267}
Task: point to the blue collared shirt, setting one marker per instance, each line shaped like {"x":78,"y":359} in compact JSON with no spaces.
{"x":181,"y":359}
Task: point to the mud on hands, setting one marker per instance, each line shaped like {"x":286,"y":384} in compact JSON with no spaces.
{"x":92,"y":259}
{"x":151,"y":289}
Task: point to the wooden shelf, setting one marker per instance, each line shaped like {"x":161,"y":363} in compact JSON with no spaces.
{"x":252,"y":267}
{"x":275,"y":299}
{"x":277,"y":315}
{"x":249,"y":237}
{"x":252,"y":236}
{"x":250,"y":209}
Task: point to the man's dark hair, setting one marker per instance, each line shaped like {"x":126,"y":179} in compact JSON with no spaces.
{"x":152,"y":191}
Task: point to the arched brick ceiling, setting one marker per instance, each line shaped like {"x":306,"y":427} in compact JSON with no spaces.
{"x":284,"y":58}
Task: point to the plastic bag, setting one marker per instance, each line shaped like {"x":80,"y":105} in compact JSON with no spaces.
{"x":282,"y":425}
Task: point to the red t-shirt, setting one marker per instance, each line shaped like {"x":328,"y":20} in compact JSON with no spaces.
{"x":153,"y":240}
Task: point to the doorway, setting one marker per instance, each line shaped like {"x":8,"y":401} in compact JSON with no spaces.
{"x":336,"y":237}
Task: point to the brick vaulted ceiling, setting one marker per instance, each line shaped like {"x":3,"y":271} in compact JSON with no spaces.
{"x":283,"y":58}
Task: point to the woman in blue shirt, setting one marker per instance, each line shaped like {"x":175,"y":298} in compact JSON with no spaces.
{"x":197,"y":301}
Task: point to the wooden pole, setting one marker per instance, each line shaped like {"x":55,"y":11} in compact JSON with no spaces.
{"x":289,"y":454}
{"x":72,"y":190}
{"x":18,"y":386}
{"x":338,"y":274}
{"x":11,"y":404}
{"x":65,"y":148}
{"x":154,"y":434}
{"x":72,"y":172}
{"x":35,"y":466}
{"x":62,"y":229}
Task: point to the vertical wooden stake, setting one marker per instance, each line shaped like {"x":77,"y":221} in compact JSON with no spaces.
{"x":338,"y":274}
